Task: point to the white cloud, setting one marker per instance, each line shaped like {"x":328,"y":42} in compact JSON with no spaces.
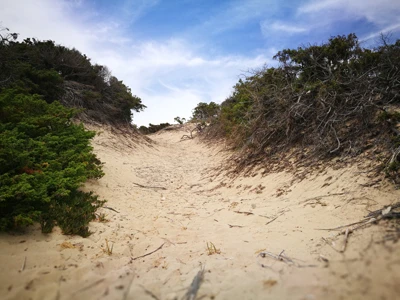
{"x":267,"y":28}
{"x":170,"y":76}
{"x":237,"y":13}
{"x":381,"y":13}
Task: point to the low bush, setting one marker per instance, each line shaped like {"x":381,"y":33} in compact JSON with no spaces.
{"x":44,"y":160}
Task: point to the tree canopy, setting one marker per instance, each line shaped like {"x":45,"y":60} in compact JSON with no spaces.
{"x":59,"y":73}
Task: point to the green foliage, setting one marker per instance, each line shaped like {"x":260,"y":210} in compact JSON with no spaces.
{"x":57,"y":72}
{"x":44,"y":159}
{"x":205,"y":111}
{"x":179,"y":120}
{"x":153,"y":128}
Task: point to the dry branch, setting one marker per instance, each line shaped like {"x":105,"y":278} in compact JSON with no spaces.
{"x":89,"y":286}
{"x":247,"y":213}
{"x":110,"y":208}
{"x":231,"y":226}
{"x":283,"y":258}
{"x":147,"y":254}
{"x":149,"y":187}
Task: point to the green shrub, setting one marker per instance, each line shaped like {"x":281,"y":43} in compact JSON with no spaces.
{"x":44,"y":159}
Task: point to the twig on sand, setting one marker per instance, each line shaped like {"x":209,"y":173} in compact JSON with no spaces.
{"x":88,"y":287}
{"x":23,"y":265}
{"x":247,"y":213}
{"x":149,"y":293}
{"x":283,"y":258}
{"x":381,"y":211}
{"x":149,"y":187}
{"x":110,"y":208}
{"x":195,"y":285}
{"x":276,"y":217}
{"x":387,"y":212}
{"x":347,"y":232}
{"x":148,"y":253}
{"x":272,"y":220}
{"x":323,"y":196}
{"x":231,"y":226}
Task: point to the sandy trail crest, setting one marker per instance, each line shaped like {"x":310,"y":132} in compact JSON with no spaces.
{"x":168,"y":200}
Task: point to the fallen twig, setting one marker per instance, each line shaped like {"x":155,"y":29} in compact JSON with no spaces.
{"x":195,"y":285}
{"x":379,"y":211}
{"x":231,"y":226}
{"x":148,"y":253}
{"x":272,"y":220}
{"x":110,"y":208}
{"x":89,"y":286}
{"x":283,"y":258}
{"x":149,"y":187}
{"x":149,"y":293}
{"x":323,"y":196}
{"x":247,"y":213}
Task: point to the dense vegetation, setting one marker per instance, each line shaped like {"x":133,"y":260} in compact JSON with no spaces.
{"x":44,"y":159}
{"x":59,"y":73}
{"x":321,"y":101}
{"x":44,"y":156}
{"x":152,"y":128}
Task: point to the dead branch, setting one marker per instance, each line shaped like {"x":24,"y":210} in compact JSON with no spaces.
{"x":323,"y":196}
{"x":198,"y":128}
{"x":247,"y":213}
{"x":283,"y":258}
{"x":272,"y":220}
{"x":110,"y":208}
{"x":149,"y":293}
{"x":147,"y":254}
{"x":231,"y":226}
{"x":89,"y":286}
{"x":149,"y":187}
{"x":379,"y":211}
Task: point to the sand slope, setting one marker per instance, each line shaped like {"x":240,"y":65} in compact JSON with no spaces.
{"x":170,"y":199}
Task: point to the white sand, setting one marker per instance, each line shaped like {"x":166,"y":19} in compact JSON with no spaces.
{"x":196,"y":208}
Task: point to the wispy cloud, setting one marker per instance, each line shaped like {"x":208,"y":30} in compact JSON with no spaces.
{"x":267,"y":28}
{"x":173,"y":66}
{"x":381,"y":13}
{"x":170,"y":75}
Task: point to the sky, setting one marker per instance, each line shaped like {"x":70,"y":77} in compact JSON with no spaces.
{"x":174,"y":54}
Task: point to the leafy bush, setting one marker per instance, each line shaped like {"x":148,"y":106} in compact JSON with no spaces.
{"x":153,"y":128}
{"x":44,"y":159}
{"x":205,"y":112}
{"x":58,"y":72}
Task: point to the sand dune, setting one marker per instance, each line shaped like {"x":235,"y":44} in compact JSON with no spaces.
{"x":169,"y":203}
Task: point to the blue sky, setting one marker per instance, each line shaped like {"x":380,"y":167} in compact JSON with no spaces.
{"x":174,"y":54}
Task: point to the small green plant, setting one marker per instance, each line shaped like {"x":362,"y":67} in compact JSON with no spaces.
{"x":108,"y":250}
{"x":102,"y":218}
{"x":211,"y":249}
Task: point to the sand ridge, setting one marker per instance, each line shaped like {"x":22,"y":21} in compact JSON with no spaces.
{"x":170,"y":204}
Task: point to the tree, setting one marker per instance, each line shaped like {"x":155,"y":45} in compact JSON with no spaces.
{"x":205,"y":111}
{"x":179,"y":120}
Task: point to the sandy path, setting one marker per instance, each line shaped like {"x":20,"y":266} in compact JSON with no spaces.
{"x":240,"y":217}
